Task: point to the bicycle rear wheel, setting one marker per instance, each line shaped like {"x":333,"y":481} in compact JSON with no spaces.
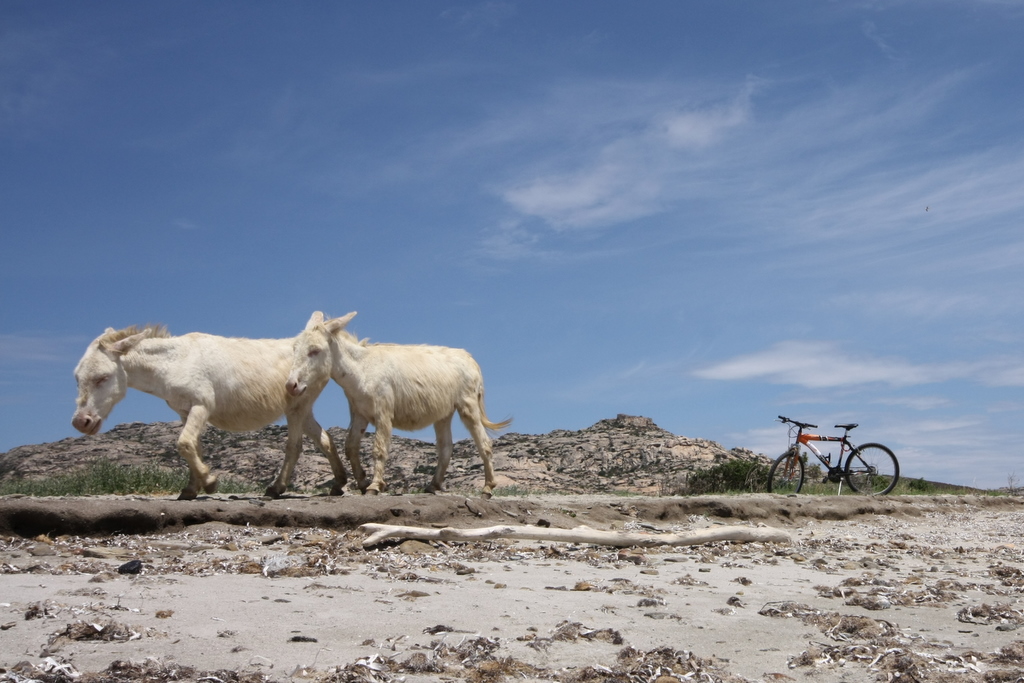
{"x":872,"y":469}
{"x":787,"y":473}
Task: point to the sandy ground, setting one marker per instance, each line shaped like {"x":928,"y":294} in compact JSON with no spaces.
{"x":929,"y":588}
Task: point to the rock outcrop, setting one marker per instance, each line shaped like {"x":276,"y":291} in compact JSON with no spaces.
{"x":627,"y":453}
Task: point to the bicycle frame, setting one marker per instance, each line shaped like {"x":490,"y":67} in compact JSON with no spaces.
{"x":846,"y":448}
{"x":835,"y":472}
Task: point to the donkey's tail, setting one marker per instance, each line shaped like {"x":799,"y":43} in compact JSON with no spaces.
{"x":488,"y":425}
{"x":496,"y":426}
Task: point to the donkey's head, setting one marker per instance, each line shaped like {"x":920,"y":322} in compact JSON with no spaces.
{"x":313,"y":353}
{"x":101,"y":377}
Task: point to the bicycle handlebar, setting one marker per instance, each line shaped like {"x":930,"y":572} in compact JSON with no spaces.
{"x":802,"y":425}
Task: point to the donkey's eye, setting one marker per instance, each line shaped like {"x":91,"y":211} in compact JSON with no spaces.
{"x":314,"y":352}
{"x":100,"y":381}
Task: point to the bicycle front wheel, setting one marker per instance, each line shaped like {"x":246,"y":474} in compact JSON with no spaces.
{"x":787,"y":473}
{"x":872,"y":469}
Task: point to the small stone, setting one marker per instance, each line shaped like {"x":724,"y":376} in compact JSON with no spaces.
{"x":414,"y":547}
{"x":132,"y":567}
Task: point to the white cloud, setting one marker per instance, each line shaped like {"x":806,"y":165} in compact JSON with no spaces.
{"x":915,"y":402}
{"x":184,"y":224}
{"x":704,"y":128}
{"x":489,"y":15}
{"x":822,"y":364}
{"x":509,"y":241}
{"x":610,"y":193}
{"x":634,"y":169}
{"x":816,"y":365}
{"x":871,"y":32}
{"x":851,"y":164}
{"x":922,"y":304}
{"x":1003,"y":373}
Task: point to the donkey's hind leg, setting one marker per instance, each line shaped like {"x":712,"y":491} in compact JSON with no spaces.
{"x":443,"y":434}
{"x":472,"y":418}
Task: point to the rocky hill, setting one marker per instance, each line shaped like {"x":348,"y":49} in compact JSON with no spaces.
{"x":627,"y":453}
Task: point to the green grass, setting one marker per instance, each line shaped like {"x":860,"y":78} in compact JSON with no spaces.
{"x":104,"y":477}
{"x":742,"y":476}
{"x":515,"y":491}
{"x":735,"y":477}
{"x":813,"y":486}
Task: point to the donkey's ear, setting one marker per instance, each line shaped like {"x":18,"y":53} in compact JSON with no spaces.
{"x":316,"y":319}
{"x":337,"y":324}
{"x":128,"y":343}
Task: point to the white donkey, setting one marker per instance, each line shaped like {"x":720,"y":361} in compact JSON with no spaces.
{"x":234,"y":384}
{"x":394,"y":386}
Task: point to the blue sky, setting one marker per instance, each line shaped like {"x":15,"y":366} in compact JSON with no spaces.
{"x":706,"y":213}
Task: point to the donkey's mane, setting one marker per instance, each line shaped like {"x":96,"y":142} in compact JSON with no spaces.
{"x":352,"y":338}
{"x":157,"y":331}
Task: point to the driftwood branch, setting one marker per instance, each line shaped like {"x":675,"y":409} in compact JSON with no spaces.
{"x":581,"y":534}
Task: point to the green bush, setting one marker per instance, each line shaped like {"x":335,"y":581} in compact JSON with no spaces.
{"x":733,"y":476}
{"x":920,"y":486}
{"x":104,"y":477}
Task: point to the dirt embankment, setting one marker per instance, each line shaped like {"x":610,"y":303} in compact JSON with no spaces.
{"x":103,"y":515}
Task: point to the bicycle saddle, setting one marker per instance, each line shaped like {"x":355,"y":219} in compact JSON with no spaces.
{"x":847,"y":427}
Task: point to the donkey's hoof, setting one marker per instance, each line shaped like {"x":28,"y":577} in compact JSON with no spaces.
{"x":187,"y":494}
{"x":338,"y":490}
{"x":211,"y":485}
{"x":273,"y":492}
{"x":371,"y":492}
{"x":486,"y":495}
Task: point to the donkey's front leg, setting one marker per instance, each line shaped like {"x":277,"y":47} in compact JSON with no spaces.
{"x":292,"y":450}
{"x":191,"y":450}
{"x":325,"y":443}
{"x":381,"y":443}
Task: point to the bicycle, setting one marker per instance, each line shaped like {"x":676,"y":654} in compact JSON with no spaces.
{"x":871,"y":469}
